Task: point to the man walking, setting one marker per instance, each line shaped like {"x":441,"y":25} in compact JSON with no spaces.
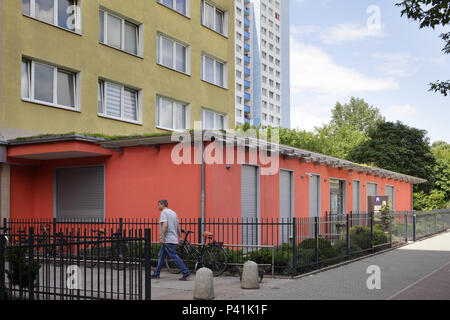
{"x":169,"y":233}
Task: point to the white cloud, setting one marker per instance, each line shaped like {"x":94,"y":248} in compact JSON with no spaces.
{"x":401,"y":111}
{"x":349,"y":32}
{"x":318,"y":82}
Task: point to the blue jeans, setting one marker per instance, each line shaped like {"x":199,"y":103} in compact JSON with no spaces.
{"x":168,"y":250}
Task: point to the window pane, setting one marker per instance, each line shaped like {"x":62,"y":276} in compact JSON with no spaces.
{"x":26,"y":7}
{"x":130,"y":105}
{"x":219,"y":74}
{"x":113,"y":100}
{"x":219,"y":21}
{"x":44,"y":10}
{"x":25,"y":79}
{"x":168,"y":3}
{"x":167,"y":52}
{"x":131,"y":38}
{"x":114,"y":31}
{"x":66,"y":94}
{"x":165,"y":113}
{"x":208,"y":121}
{"x":209,"y":69}
{"x":180,"y":117}
{"x":43,"y":83}
{"x":101,"y":28}
{"x":219,"y":122}
{"x":66,"y":14}
{"x":101,"y":96}
{"x":181,"y":58}
{"x":208,"y":19}
{"x":181,"y":6}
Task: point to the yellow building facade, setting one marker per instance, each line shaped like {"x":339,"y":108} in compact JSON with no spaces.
{"x":115,"y":67}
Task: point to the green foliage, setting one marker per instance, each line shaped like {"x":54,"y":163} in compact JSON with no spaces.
{"x":356,"y":114}
{"x":22,"y":272}
{"x":360,"y":236}
{"x":434,"y":200}
{"x":311,"y":243}
{"x":341,"y":247}
{"x":400,"y":148}
{"x":441,"y":151}
{"x":431,"y":14}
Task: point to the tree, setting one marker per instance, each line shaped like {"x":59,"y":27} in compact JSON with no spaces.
{"x":431,"y":13}
{"x":357,"y":114}
{"x":441,"y":151}
{"x":397,"y":147}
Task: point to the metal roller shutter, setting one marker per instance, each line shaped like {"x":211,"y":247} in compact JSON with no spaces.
{"x":356,"y":197}
{"x":314,"y":201}
{"x":249,"y":205}
{"x":372,"y":190}
{"x":80,"y":193}
{"x":390,"y":192}
{"x":286,"y":212}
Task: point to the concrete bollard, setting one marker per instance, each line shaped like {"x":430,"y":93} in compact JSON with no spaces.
{"x":204,"y":285}
{"x":250,"y":276}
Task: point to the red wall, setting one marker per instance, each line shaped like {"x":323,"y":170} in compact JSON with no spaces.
{"x":138,"y":177}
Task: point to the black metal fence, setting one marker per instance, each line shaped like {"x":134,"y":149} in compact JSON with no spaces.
{"x":114,"y":257}
{"x":73,"y":265}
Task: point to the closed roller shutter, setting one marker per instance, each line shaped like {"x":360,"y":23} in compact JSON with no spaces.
{"x":249,"y":205}
{"x":286,"y":197}
{"x":314,"y":201}
{"x":356,"y":197}
{"x":372,"y":190}
{"x":390,"y":192}
{"x":80,"y":193}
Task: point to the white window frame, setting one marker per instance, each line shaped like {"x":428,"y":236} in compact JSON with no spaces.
{"x":122,"y":97}
{"x":224,"y":19}
{"x":174,"y":4}
{"x":187,"y":110}
{"x":124,"y":20}
{"x":77,"y":12}
{"x":31,"y":63}
{"x":187,"y":57}
{"x":225,"y":70}
{"x":215,"y":113}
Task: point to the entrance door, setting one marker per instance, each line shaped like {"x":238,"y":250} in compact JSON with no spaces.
{"x":286,"y":205}
{"x":249,"y":205}
{"x":80,"y":193}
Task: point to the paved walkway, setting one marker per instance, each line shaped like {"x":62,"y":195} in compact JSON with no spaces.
{"x":419,"y":270}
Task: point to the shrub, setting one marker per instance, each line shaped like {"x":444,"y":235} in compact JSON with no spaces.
{"x":311,"y":243}
{"x":341,"y":247}
{"x":361,"y":237}
{"x":22,"y":272}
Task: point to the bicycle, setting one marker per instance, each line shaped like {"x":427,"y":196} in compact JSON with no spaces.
{"x":212,"y":255}
{"x":117,"y":252}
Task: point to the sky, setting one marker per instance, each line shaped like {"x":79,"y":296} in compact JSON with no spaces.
{"x":365,"y":49}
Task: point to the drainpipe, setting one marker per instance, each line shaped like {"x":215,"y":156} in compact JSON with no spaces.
{"x":203,"y":191}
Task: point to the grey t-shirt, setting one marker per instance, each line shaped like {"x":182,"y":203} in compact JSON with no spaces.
{"x":171,"y":218}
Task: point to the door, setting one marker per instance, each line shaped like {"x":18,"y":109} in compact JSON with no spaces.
{"x":80,"y":193}
{"x":249,"y":204}
{"x":286,"y":205}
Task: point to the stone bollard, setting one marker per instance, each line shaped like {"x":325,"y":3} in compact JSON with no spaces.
{"x":250,"y":276}
{"x":204,"y":285}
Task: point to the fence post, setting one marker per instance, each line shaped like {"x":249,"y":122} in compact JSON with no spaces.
{"x":371,"y":230}
{"x":326,"y":224}
{"x":148,"y":265}
{"x":30,"y":263}
{"x":294,"y":246}
{"x":5,"y":227}
{"x":390,"y":230}
{"x":406,"y":226}
{"x":348,"y":236}
{"x":316,"y":238}
{"x":121,"y":227}
{"x":435,"y":223}
{"x":200,"y":238}
{"x":414,"y":226}
{"x":2,"y":268}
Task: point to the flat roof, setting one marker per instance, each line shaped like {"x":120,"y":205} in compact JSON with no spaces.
{"x":286,"y":151}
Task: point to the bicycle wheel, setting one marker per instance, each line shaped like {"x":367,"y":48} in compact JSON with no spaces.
{"x":119,"y":254}
{"x":215,"y":258}
{"x":172,"y":267}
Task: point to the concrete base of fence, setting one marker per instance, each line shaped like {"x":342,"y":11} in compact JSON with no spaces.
{"x":250,"y":276}
{"x":204,"y":285}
